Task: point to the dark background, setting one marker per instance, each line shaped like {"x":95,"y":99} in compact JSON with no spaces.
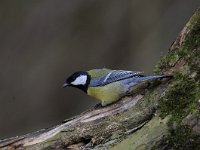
{"x":44,"y":41}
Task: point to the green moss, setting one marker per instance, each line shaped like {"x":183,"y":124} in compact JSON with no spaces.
{"x":171,"y":59}
{"x":195,"y":64}
{"x":193,"y":38}
{"x":183,"y":138}
{"x":179,"y":101}
{"x":180,"y":97}
{"x":180,"y":138}
{"x":191,"y":42}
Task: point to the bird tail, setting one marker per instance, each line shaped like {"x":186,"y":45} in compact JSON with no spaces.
{"x":144,"y":78}
{"x":139,"y":82}
{"x":136,"y":83}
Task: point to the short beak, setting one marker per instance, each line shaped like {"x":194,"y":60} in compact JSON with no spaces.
{"x":65,"y":85}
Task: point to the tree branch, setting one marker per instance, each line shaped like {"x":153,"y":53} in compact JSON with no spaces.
{"x":164,"y":115}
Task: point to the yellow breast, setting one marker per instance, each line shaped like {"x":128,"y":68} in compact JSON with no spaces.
{"x":107,"y":94}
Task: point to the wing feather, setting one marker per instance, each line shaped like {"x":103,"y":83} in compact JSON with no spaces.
{"x":113,"y":76}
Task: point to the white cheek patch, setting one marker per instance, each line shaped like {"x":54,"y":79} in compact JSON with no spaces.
{"x":81,"y":80}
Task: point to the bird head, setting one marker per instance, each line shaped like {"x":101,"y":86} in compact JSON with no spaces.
{"x":80,"y":80}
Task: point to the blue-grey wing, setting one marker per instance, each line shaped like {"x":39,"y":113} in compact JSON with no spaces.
{"x":113,"y":76}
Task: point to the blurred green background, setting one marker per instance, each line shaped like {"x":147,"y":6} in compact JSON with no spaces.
{"x":44,"y":41}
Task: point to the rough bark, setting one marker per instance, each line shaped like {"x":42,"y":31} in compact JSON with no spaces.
{"x":164,"y":115}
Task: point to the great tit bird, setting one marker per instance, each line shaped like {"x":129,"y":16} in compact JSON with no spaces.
{"x":108,"y":85}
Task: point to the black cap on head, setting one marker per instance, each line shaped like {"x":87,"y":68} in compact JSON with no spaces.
{"x":80,"y":80}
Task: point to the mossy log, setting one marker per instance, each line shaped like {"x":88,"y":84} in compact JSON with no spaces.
{"x":164,"y":115}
